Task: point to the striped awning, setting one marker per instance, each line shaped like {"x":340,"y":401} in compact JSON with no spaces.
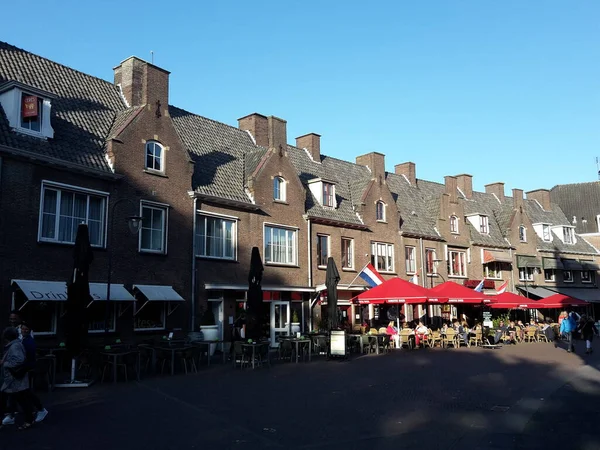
{"x":500,"y":256}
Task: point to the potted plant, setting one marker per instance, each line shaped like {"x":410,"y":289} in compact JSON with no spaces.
{"x":295,"y":322}
{"x":209,"y":328}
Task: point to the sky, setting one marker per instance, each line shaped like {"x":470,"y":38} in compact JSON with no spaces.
{"x":502,"y":90}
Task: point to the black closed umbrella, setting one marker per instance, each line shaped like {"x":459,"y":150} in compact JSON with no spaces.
{"x":332,"y":278}
{"x":254,"y":301}
{"x":78,"y":296}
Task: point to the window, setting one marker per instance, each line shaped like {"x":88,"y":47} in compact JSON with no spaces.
{"x":568,"y":235}
{"x":41,"y":316}
{"x":382,"y":256}
{"x":546,"y":232}
{"x":567,"y":276}
{"x":522,"y":234}
{"x":280,"y":245}
{"x":430,"y":261}
{"x":453,"y":224}
{"x":31,"y":112}
{"x":154,"y":156}
{"x":279,"y":189}
{"x":347,"y":253}
{"x":63,"y":209}
{"x":215,"y":237}
{"x":328,"y":195}
{"x":322,"y":250}
{"x":549,"y":274}
{"x":457,"y":263}
{"x":586,"y":276}
{"x":153,"y":235}
{"x":526,"y":273}
{"x":484,"y":226}
{"x":96,"y":314}
{"x":493,"y":270}
{"x":150,"y":317}
{"x":380,"y":211}
{"x":411,"y":261}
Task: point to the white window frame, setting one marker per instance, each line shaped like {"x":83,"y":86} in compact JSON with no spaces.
{"x":498,"y":271}
{"x":202,"y":214}
{"x":570,"y":272}
{"x":568,"y":235}
{"x":589,"y":276}
{"x":410,"y":259}
{"x":60,"y":187}
{"x":163,"y":317}
{"x":454,"y":228}
{"x":11,"y":101}
{"x":462,"y":255}
{"x":389,"y":248}
{"x":549,"y":275}
{"x":526,"y":273}
{"x":351,"y":250}
{"x":319,"y":247}
{"x":282,"y":189}
{"x":294,"y":243}
{"x":546,"y":236}
{"x":484,"y":225}
{"x":522,"y":233}
{"x":55,"y":316}
{"x":160,"y":207}
{"x":382,"y":205}
{"x":162,"y":156}
{"x":433,"y":263}
{"x":331,"y":196}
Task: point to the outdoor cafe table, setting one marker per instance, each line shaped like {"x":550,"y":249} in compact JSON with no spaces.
{"x":377,"y":338}
{"x":173,"y":348}
{"x":298,"y":342}
{"x":254,"y":346}
{"x":208,"y":343}
{"x":119,"y":353}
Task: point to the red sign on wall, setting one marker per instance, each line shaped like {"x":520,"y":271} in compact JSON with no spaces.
{"x":30,"y":106}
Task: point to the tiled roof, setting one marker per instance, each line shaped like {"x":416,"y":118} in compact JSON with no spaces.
{"x":122,"y":119}
{"x":581,"y":200}
{"x":488,"y":205}
{"x":218,"y":152}
{"x":83,"y":111}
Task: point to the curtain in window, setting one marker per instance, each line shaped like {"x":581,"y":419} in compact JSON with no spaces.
{"x":49,"y":214}
{"x":96,"y":220}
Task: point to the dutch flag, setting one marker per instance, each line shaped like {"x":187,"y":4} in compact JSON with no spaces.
{"x":371,"y":276}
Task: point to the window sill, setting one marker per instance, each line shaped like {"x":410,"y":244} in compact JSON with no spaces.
{"x":382,"y":221}
{"x":149,"y":329}
{"x":281,"y":202}
{"x":586,"y":282}
{"x":455,"y":233}
{"x":272,"y":264}
{"x":67,"y":244}
{"x":151,"y":252}
{"x":37,"y":134}
{"x":214,"y":258}
{"x":155,"y":172}
{"x":526,"y":281}
{"x":322,"y":267}
{"x":348,"y":269}
{"x":464,"y":277}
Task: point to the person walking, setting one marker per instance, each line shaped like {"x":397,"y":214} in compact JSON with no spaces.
{"x":588,"y":329}
{"x":567,"y":327}
{"x":30,"y":349}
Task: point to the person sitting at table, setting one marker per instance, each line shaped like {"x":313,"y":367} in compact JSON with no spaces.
{"x":499,"y":332}
{"x":392,"y":331}
{"x":512,"y":332}
{"x":421,"y":333}
{"x":521,"y":329}
{"x":461,"y":331}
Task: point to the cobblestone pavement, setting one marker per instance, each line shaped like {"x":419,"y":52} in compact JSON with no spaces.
{"x":528,"y":396}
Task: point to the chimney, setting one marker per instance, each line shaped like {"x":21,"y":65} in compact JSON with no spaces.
{"x":517,"y":198}
{"x":277,"y":133}
{"x":465,"y":184}
{"x":375,"y":161}
{"x":258,"y":126}
{"x":312,"y":143}
{"x":408,"y":169}
{"x":497,"y":189}
{"x":451,"y":185}
{"x":542,"y":196}
{"x":143,"y":83}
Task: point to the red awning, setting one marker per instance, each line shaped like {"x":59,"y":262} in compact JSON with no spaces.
{"x":560,"y":301}
{"x":508,"y":300}
{"x":457,"y":293}
{"x":396,"y":290}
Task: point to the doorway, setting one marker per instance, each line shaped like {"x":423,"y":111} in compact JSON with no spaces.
{"x":280,"y":321}
{"x":217,"y":309}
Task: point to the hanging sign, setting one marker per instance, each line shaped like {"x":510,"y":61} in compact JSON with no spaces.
{"x":30,"y":106}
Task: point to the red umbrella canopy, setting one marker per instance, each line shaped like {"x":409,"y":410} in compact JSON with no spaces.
{"x":396,"y":290}
{"x":457,"y":293}
{"x":560,"y":301}
{"x":508,"y":300}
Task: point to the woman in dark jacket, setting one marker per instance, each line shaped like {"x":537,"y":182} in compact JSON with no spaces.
{"x":587,"y":328}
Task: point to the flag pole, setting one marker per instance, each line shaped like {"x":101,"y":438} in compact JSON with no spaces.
{"x":363,"y":268}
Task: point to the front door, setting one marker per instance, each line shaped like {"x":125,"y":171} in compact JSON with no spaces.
{"x":280,"y":321}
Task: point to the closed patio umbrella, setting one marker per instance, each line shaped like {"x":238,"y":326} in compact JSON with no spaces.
{"x":332,"y":278}
{"x":254,"y":302}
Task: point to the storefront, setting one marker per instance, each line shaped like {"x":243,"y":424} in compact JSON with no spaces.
{"x":154,"y":304}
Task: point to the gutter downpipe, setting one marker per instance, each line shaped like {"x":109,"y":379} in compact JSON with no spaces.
{"x":193,"y":309}
{"x":512,"y":272}
{"x":423,"y":273}
{"x":309,"y":261}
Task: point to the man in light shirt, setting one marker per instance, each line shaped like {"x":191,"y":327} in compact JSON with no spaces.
{"x":15,"y":320}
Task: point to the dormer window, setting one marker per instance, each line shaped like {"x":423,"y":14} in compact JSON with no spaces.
{"x":546,"y":233}
{"x":27,"y":109}
{"x":155,"y":155}
{"x":522,"y":234}
{"x":453,"y":224}
{"x":323,"y":191}
{"x":279,"y":189}
{"x":380,"y":211}
{"x":568,"y":235}
{"x":328,"y":195}
{"x":484,"y":225}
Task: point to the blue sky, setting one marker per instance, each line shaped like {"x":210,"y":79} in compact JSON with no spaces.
{"x":504,"y":90}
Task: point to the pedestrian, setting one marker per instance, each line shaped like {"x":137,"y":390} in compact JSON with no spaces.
{"x":567,"y":327}
{"x":30,"y":349}
{"x":15,"y":320}
{"x":16,"y":381}
{"x":588,"y":329}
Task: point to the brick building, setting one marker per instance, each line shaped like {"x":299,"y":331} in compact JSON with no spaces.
{"x":99,"y":151}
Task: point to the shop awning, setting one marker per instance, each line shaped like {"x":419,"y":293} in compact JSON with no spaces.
{"x":459,"y":294}
{"x":118,"y":293}
{"x":552,"y":263}
{"x":500,"y":256}
{"x":528,"y":261}
{"x":590,"y":295}
{"x":589,"y":265}
{"x":508,"y":300}
{"x":156,"y":293}
{"x":396,"y":290}
{"x":572,"y":264}
{"x":536,"y":291}
{"x":561,"y":301}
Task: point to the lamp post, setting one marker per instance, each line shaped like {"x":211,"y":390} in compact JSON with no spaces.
{"x":436,"y":273}
{"x":135,"y":224}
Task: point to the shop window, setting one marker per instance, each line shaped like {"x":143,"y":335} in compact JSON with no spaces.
{"x":41,"y":316}
{"x":150,"y":317}
{"x":96,"y":314}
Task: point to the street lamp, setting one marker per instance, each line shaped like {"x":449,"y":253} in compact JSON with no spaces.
{"x":135,"y":224}
{"x":431,"y":275}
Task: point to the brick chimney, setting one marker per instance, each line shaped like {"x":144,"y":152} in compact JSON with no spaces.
{"x":312,"y":143}
{"x":465,"y":184}
{"x":497,"y":189}
{"x":143,"y":83}
{"x":258,"y":126}
{"x":451,"y":185}
{"x":542,"y":196}
{"x":375,"y":161}
{"x":517,"y":198}
{"x":409,"y":170}
{"x":277,"y":133}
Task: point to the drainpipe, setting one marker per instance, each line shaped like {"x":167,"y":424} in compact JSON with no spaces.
{"x":512,"y":272}
{"x":424,"y":274}
{"x":194,"y":268}
{"x":309,"y":264}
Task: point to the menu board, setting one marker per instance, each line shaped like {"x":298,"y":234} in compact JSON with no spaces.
{"x":338,"y":343}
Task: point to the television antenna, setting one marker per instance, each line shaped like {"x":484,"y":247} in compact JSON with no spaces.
{"x":598,"y":167}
